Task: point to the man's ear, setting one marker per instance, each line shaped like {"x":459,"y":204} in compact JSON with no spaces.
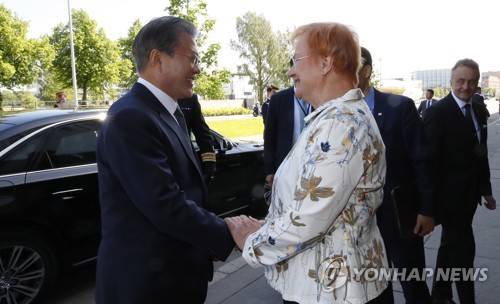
{"x":155,"y":57}
{"x":367,"y":70}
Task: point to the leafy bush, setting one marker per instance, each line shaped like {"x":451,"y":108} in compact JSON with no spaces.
{"x":225,"y":111}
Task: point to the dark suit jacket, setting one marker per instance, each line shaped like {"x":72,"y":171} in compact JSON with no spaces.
{"x":480,"y":99}
{"x":196,"y":124}
{"x":278,"y":132}
{"x":423,"y":106}
{"x":461,"y":162}
{"x":406,"y":155}
{"x":158,"y":242}
{"x":264,"y":109}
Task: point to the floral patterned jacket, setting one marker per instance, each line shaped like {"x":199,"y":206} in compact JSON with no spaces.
{"x":320,"y":242}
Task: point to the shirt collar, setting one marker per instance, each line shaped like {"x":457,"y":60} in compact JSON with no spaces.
{"x":370,"y":99}
{"x":165,"y":100}
{"x":459,"y":101}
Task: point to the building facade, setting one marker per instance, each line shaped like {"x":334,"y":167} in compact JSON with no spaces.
{"x":431,"y":79}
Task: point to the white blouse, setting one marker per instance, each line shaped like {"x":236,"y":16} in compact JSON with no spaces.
{"x":330,"y":183}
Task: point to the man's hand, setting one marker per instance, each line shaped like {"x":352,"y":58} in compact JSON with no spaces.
{"x":270,"y":179}
{"x":490,"y":203}
{"x":242,"y":226}
{"x":425,"y":225}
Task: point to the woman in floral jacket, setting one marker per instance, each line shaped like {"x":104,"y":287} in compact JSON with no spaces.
{"x":320,"y":242}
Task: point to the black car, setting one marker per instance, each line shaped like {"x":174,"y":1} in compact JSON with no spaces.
{"x":49,"y":205}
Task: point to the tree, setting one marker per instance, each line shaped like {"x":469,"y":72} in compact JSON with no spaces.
{"x":283,"y":55}
{"x":125,"y":45}
{"x":209,"y":81}
{"x":21,"y":59}
{"x":265,"y":54}
{"x":97,"y":59}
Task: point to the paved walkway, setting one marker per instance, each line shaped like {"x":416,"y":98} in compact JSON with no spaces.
{"x":238,"y":283}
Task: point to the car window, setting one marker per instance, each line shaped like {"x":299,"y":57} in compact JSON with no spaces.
{"x":67,"y":145}
{"x":12,"y":139}
{"x":73,"y":144}
{"x":17,"y":161}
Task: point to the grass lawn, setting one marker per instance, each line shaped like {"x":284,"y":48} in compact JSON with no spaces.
{"x":238,"y":127}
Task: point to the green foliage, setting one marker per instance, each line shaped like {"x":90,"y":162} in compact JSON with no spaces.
{"x":375,"y":79}
{"x":20,"y":58}
{"x":210,"y":85}
{"x":225,"y":111}
{"x":19,"y":99}
{"x":489,"y":91}
{"x":440,"y":92}
{"x":209,"y":82}
{"x":129,"y":73}
{"x":265,"y":54}
{"x":97,"y":59}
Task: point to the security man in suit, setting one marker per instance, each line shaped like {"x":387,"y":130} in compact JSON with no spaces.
{"x":457,"y":129}
{"x":284,"y":122}
{"x":270,"y":91}
{"x":196,"y":125}
{"x":427,"y":103}
{"x":480,"y":99}
{"x":407,"y":168}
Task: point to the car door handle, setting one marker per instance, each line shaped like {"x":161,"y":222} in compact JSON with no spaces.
{"x":67,"y":194}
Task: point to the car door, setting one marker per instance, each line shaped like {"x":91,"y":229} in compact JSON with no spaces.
{"x":238,"y":181}
{"x":60,"y":190}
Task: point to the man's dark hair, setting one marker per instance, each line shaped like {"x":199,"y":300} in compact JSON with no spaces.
{"x":431,"y":91}
{"x":161,"y":33}
{"x":366,"y":57}
{"x":272,"y":87}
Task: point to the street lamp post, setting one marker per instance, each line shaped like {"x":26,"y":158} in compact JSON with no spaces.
{"x":73,"y":68}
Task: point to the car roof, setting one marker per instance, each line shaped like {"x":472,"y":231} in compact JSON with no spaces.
{"x":12,"y":123}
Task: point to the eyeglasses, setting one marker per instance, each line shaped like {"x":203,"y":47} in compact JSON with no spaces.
{"x":195,"y":61}
{"x":293,"y":60}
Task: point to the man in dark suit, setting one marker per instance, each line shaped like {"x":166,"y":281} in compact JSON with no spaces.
{"x":284,"y":122}
{"x":407,"y":168}
{"x":270,"y":91}
{"x":158,"y":243}
{"x":196,"y":124}
{"x":480,"y":100}
{"x":427,"y":103}
{"x":458,"y":139}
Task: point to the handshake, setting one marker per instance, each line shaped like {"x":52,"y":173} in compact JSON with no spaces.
{"x":242,"y":226}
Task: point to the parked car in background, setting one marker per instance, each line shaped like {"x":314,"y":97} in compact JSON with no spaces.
{"x":49,"y":204}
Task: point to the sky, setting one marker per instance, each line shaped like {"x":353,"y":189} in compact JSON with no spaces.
{"x":402,"y":36}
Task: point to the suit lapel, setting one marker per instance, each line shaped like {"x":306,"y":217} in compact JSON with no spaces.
{"x":460,"y":124}
{"x":186,"y":145}
{"x":482,"y":120}
{"x":153,"y":102}
{"x":379,"y":109}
